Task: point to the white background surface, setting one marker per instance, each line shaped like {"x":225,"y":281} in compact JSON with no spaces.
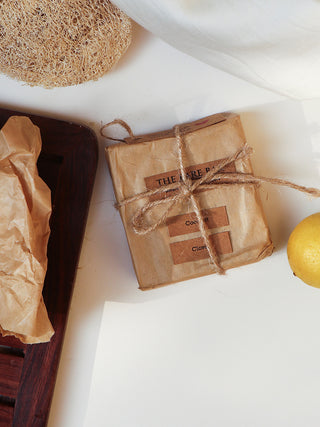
{"x":240,"y":350}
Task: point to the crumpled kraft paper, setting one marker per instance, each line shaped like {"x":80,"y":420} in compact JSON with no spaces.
{"x":25,"y":202}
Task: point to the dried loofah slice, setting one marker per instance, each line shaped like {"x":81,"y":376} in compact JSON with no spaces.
{"x":61,"y":42}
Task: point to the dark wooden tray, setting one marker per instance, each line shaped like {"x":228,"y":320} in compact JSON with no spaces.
{"x":67,"y":163}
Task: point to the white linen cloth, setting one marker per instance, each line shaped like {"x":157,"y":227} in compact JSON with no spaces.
{"x":274,"y":44}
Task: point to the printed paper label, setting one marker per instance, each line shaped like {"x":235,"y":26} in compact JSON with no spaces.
{"x":195,"y":249}
{"x":188,"y":223}
{"x":193,"y":172}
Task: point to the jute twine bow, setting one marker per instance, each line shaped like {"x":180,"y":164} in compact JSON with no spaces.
{"x":186,"y":189}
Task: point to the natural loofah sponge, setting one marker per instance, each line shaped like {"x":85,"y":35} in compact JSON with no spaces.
{"x":61,"y":42}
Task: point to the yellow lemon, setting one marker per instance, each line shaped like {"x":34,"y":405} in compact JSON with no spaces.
{"x":304,"y":250}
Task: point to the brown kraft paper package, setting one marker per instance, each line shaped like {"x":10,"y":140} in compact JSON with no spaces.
{"x":232,"y":214}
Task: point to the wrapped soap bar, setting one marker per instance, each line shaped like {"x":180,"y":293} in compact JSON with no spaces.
{"x":186,"y":209}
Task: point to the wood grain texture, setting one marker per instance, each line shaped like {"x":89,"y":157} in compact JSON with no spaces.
{"x":6,"y":415}
{"x":67,"y":163}
{"x":12,"y":342}
{"x":10,"y":373}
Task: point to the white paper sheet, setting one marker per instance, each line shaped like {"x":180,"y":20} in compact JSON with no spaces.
{"x":212,"y":355}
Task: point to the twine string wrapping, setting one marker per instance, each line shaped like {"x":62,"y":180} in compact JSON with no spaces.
{"x":116,"y":122}
{"x":189,"y":192}
{"x":177,"y":193}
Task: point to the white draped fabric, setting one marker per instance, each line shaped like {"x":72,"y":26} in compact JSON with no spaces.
{"x":274,"y":43}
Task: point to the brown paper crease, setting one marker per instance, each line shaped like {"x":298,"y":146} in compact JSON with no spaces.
{"x":24,"y":232}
